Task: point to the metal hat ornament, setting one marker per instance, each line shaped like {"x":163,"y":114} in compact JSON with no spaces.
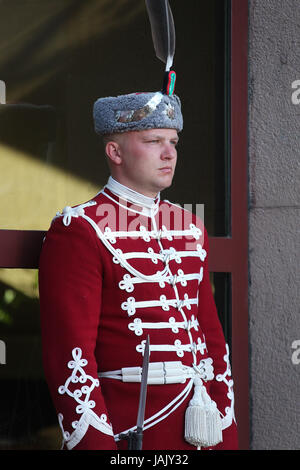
{"x":163,"y":36}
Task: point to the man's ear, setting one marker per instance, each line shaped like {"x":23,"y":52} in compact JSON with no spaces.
{"x":113,"y":152}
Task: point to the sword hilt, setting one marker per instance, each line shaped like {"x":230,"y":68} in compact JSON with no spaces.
{"x":134,"y":438}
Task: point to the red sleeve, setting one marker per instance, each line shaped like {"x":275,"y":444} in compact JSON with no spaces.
{"x":70,"y":283}
{"x":221,"y":387}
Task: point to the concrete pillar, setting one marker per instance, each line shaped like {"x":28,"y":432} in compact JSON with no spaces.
{"x":274,"y":222}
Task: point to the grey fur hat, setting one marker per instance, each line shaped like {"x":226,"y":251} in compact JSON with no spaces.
{"x":137,"y":111}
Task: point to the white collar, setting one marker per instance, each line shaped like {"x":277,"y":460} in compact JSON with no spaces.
{"x":147,"y":203}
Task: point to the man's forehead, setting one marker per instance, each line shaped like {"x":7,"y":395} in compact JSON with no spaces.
{"x":163,"y":133}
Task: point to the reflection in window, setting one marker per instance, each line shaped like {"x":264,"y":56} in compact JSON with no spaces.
{"x":28,"y":419}
{"x":58,"y":57}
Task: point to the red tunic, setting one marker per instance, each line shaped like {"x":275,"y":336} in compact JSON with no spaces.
{"x":110,"y":274}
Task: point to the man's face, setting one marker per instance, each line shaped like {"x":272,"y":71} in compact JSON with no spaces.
{"x":148,"y":160}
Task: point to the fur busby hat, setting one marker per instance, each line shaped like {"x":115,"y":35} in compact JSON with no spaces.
{"x":137,"y":111}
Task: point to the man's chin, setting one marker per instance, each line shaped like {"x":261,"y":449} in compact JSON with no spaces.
{"x":165,"y":185}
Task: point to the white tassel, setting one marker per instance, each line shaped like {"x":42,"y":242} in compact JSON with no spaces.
{"x":203,"y":426}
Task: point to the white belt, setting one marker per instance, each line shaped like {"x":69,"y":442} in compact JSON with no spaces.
{"x":160,"y":373}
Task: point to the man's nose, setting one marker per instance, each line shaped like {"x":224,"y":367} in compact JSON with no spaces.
{"x":169,"y":152}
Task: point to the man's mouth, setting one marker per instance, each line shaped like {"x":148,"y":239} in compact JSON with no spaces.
{"x":166,"y":169}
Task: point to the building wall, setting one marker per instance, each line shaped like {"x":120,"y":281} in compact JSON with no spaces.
{"x":274,"y":210}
